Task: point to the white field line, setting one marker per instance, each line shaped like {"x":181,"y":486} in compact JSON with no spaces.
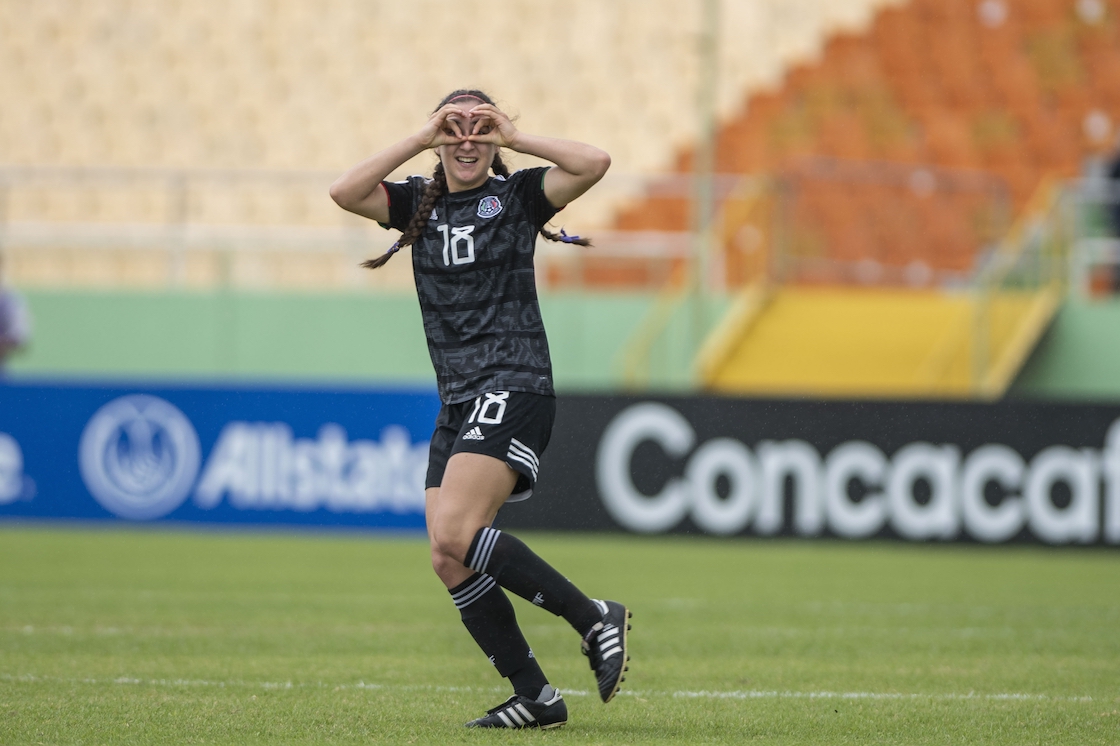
{"x":747,"y":694}
{"x":876,"y":695}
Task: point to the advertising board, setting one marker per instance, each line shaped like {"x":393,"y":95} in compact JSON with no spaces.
{"x":917,"y":471}
{"x":215,"y":455}
{"x":914,"y":471}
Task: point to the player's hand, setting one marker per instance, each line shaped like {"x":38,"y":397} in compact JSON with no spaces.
{"x":489,"y":124}
{"x":447,"y":126}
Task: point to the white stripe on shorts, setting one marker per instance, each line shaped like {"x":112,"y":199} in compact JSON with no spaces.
{"x":523,"y":456}
{"x":515,"y":444}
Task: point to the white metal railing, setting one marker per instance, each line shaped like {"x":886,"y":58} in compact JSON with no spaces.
{"x":1093,"y":211}
{"x":208,"y":227}
{"x":202,"y":228}
{"x":1095,"y":266}
{"x":908,"y":190}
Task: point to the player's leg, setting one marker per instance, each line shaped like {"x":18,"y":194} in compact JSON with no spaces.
{"x":483,"y":606}
{"x":473,"y":489}
{"x":503,"y":435}
{"x":603,"y":625}
{"x":514,"y":428}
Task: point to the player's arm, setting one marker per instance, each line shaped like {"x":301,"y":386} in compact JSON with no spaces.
{"x":578,"y":165}
{"x":359,"y":190}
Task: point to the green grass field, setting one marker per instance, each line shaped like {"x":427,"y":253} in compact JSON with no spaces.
{"x":153,"y":637}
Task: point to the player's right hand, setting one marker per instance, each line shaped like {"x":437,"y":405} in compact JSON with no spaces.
{"x":447,"y":126}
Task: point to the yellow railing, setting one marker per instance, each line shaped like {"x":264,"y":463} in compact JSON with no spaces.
{"x":1018,"y":292}
{"x":1014,"y":296}
{"x":636,"y":356}
{"x":665,"y":349}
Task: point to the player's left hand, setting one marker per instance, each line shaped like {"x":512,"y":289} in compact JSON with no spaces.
{"x":489,"y":124}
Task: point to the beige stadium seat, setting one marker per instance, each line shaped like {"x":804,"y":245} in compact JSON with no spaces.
{"x":296,"y":85}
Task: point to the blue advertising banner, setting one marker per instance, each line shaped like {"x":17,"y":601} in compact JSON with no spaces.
{"x":215,"y":455}
{"x":1005,"y":472}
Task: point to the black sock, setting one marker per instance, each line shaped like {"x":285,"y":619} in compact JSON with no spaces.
{"x":519,"y":570}
{"x":489,"y":617}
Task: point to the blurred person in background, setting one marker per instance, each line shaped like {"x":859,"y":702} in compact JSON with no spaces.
{"x":1112,"y":173}
{"x":15,"y":321}
{"x":473,"y":239}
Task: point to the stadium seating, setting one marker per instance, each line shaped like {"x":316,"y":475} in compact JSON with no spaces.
{"x":295,"y":85}
{"x":1014,"y":91}
{"x":900,"y":159}
{"x":1006,"y":88}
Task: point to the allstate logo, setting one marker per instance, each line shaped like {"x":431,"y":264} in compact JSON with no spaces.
{"x":139,"y":457}
{"x":488,"y":207}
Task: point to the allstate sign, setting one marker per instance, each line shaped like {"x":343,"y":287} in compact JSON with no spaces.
{"x":261,"y":466}
{"x":350,"y":458}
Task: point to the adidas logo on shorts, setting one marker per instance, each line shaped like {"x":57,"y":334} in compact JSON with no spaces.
{"x":473,"y":434}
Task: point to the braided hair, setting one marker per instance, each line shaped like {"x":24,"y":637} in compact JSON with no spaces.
{"x":436,"y":188}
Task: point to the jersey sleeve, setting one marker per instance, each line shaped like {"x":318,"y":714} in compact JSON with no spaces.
{"x":528,"y":185}
{"x":404,"y":196}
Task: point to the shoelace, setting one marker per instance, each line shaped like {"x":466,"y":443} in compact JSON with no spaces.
{"x":585,"y":644}
{"x":606,"y":638}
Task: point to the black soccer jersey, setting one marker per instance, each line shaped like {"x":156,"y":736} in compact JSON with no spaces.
{"x":478,"y":293}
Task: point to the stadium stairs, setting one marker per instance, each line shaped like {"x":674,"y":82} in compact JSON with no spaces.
{"x":864,"y":342}
{"x":896,"y":342}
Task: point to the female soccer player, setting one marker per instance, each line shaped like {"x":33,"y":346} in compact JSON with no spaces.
{"x":473,"y":238}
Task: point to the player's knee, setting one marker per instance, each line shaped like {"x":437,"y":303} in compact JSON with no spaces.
{"x":449,"y":543}
{"x":446,"y":568}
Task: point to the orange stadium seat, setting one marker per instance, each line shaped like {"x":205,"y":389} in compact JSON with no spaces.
{"x":1002,"y":90}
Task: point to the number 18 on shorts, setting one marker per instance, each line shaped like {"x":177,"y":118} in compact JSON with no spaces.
{"x":511,"y":426}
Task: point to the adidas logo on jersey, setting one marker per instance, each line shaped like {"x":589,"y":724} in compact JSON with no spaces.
{"x":473,"y":434}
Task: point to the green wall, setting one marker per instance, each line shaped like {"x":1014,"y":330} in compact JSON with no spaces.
{"x":367,"y":338}
{"x":1079,"y":356}
{"x":294,"y":337}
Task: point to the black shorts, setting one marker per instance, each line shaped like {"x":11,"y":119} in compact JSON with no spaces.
{"x":511,"y":426}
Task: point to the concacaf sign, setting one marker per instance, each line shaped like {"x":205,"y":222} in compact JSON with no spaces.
{"x":919,"y":472}
{"x":955,"y":501}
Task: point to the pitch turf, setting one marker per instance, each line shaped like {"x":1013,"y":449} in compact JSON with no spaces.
{"x":152,"y":637}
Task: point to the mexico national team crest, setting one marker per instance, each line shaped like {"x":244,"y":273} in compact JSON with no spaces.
{"x":488,"y":207}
